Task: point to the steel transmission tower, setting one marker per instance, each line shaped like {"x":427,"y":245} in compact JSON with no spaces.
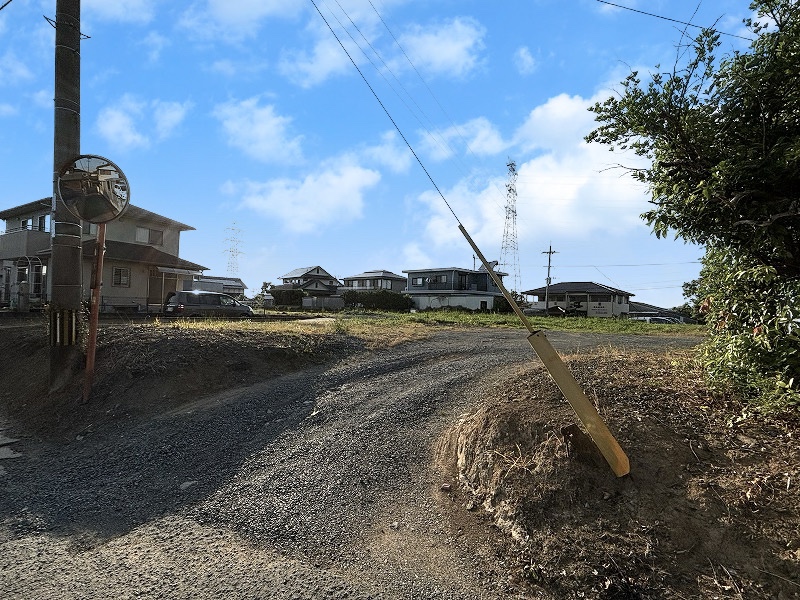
{"x":509,"y":252}
{"x":233,"y":250}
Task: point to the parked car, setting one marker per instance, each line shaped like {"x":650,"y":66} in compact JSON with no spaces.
{"x":200,"y":303}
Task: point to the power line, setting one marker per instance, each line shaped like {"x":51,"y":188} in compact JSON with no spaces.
{"x":385,"y":110}
{"x":5,"y":4}
{"x":690,"y":262}
{"x":741,"y":37}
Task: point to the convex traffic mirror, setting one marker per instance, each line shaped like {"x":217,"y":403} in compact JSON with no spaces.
{"x":93,"y":188}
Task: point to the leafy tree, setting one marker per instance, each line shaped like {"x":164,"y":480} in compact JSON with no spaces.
{"x":722,"y":136}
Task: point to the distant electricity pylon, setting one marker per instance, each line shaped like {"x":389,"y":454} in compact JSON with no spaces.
{"x":233,"y":249}
{"x":509,"y":252}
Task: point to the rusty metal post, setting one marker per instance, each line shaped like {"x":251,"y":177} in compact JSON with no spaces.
{"x":94,"y":313}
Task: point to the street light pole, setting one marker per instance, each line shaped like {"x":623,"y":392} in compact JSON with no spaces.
{"x":64,"y":276}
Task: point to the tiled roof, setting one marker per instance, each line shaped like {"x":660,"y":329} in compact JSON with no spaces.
{"x":142,"y":254}
{"x":26,"y":208}
{"x":376,"y":274}
{"x":577,"y":287}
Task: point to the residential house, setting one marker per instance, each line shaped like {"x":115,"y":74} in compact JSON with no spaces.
{"x":452,"y":287}
{"x":640,"y":310}
{"x":370,"y":281}
{"x":320,"y":287}
{"x":584,"y":298}
{"x":141,"y":263}
{"x":233,"y":286}
{"x":22,"y":271}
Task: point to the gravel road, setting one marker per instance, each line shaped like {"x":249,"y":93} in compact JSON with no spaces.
{"x":318,"y":484}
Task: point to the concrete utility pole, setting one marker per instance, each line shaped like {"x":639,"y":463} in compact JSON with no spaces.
{"x":549,"y":253}
{"x":64,"y":277}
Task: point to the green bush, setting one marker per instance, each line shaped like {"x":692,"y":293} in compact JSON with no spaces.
{"x":377,"y":300}
{"x":753,"y":318}
{"x":287,"y":297}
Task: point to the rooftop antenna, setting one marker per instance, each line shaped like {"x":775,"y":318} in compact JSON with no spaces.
{"x":509,"y":252}
{"x":233,"y":249}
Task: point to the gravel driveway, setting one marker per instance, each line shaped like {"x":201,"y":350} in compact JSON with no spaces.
{"x":317,"y":484}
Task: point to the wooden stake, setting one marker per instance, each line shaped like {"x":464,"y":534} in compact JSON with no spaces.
{"x":586,"y":412}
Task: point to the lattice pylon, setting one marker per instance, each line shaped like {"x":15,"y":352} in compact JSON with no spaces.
{"x":233,"y":249}
{"x":509,"y":251}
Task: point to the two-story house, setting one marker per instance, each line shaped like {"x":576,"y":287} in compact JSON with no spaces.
{"x":320,"y":287}
{"x":27,"y":233}
{"x":141,"y":262}
{"x":452,"y":287}
{"x":584,"y":298}
{"x":371,"y":281}
{"x":314,"y":281}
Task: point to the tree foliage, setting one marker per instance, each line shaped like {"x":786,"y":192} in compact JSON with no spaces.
{"x":722,"y":135}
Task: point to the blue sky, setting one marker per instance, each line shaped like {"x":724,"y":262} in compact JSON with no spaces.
{"x":246,"y":120}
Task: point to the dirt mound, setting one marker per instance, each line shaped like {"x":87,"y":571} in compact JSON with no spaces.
{"x":144,"y":370}
{"x":710,"y":508}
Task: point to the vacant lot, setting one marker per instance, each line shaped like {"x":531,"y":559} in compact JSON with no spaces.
{"x":325,"y":461}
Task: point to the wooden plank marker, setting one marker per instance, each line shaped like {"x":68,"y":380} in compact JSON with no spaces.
{"x":586,"y":412}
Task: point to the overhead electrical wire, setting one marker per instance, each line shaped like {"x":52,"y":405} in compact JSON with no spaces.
{"x":741,"y":37}
{"x":6,"y":3}
{"x":399,"y":131}
{"x":389,"y":70}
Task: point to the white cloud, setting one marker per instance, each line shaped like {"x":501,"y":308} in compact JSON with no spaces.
{"x":413,"y":254}
{"x":335,"y":194}
{"x":524,"y":61}
{"x":13,"y":70}
{"x":258,"y":131}
{"x":562,"y":118}
{"x":168,"y":115}
{"x":234,"y":21}
{"x":125,"y":124}
{"x":478,"y":136}
{"x":565,"y":186}
{"x":6,"y":110}
{"x":154,"y":43}
{"x":391,"y":152}
{"x":239,"y":69}
{"x":117,"y":124}
{"x":308,"y":69}
{"x":450,"y":49}
{"x":126,"y":11}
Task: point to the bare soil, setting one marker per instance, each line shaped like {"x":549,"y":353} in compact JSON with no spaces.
{"x":711,"y":508}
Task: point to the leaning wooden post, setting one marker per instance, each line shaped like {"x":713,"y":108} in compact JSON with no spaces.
{"x":584,"y":409}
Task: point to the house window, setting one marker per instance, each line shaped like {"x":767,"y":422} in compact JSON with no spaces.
{"x":600,"y":298}
{"x":42,"y":223}
{"x":418,"y":281}
{"x":121,"y":277}
{"x":145,"y":235}
{"x":24,"y":224}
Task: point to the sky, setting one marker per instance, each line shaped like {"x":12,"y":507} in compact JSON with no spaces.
{"x":249,"y":121}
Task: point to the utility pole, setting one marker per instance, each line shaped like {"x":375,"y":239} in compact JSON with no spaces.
{"x":549,"y":253}
{"x":64,"y":277}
